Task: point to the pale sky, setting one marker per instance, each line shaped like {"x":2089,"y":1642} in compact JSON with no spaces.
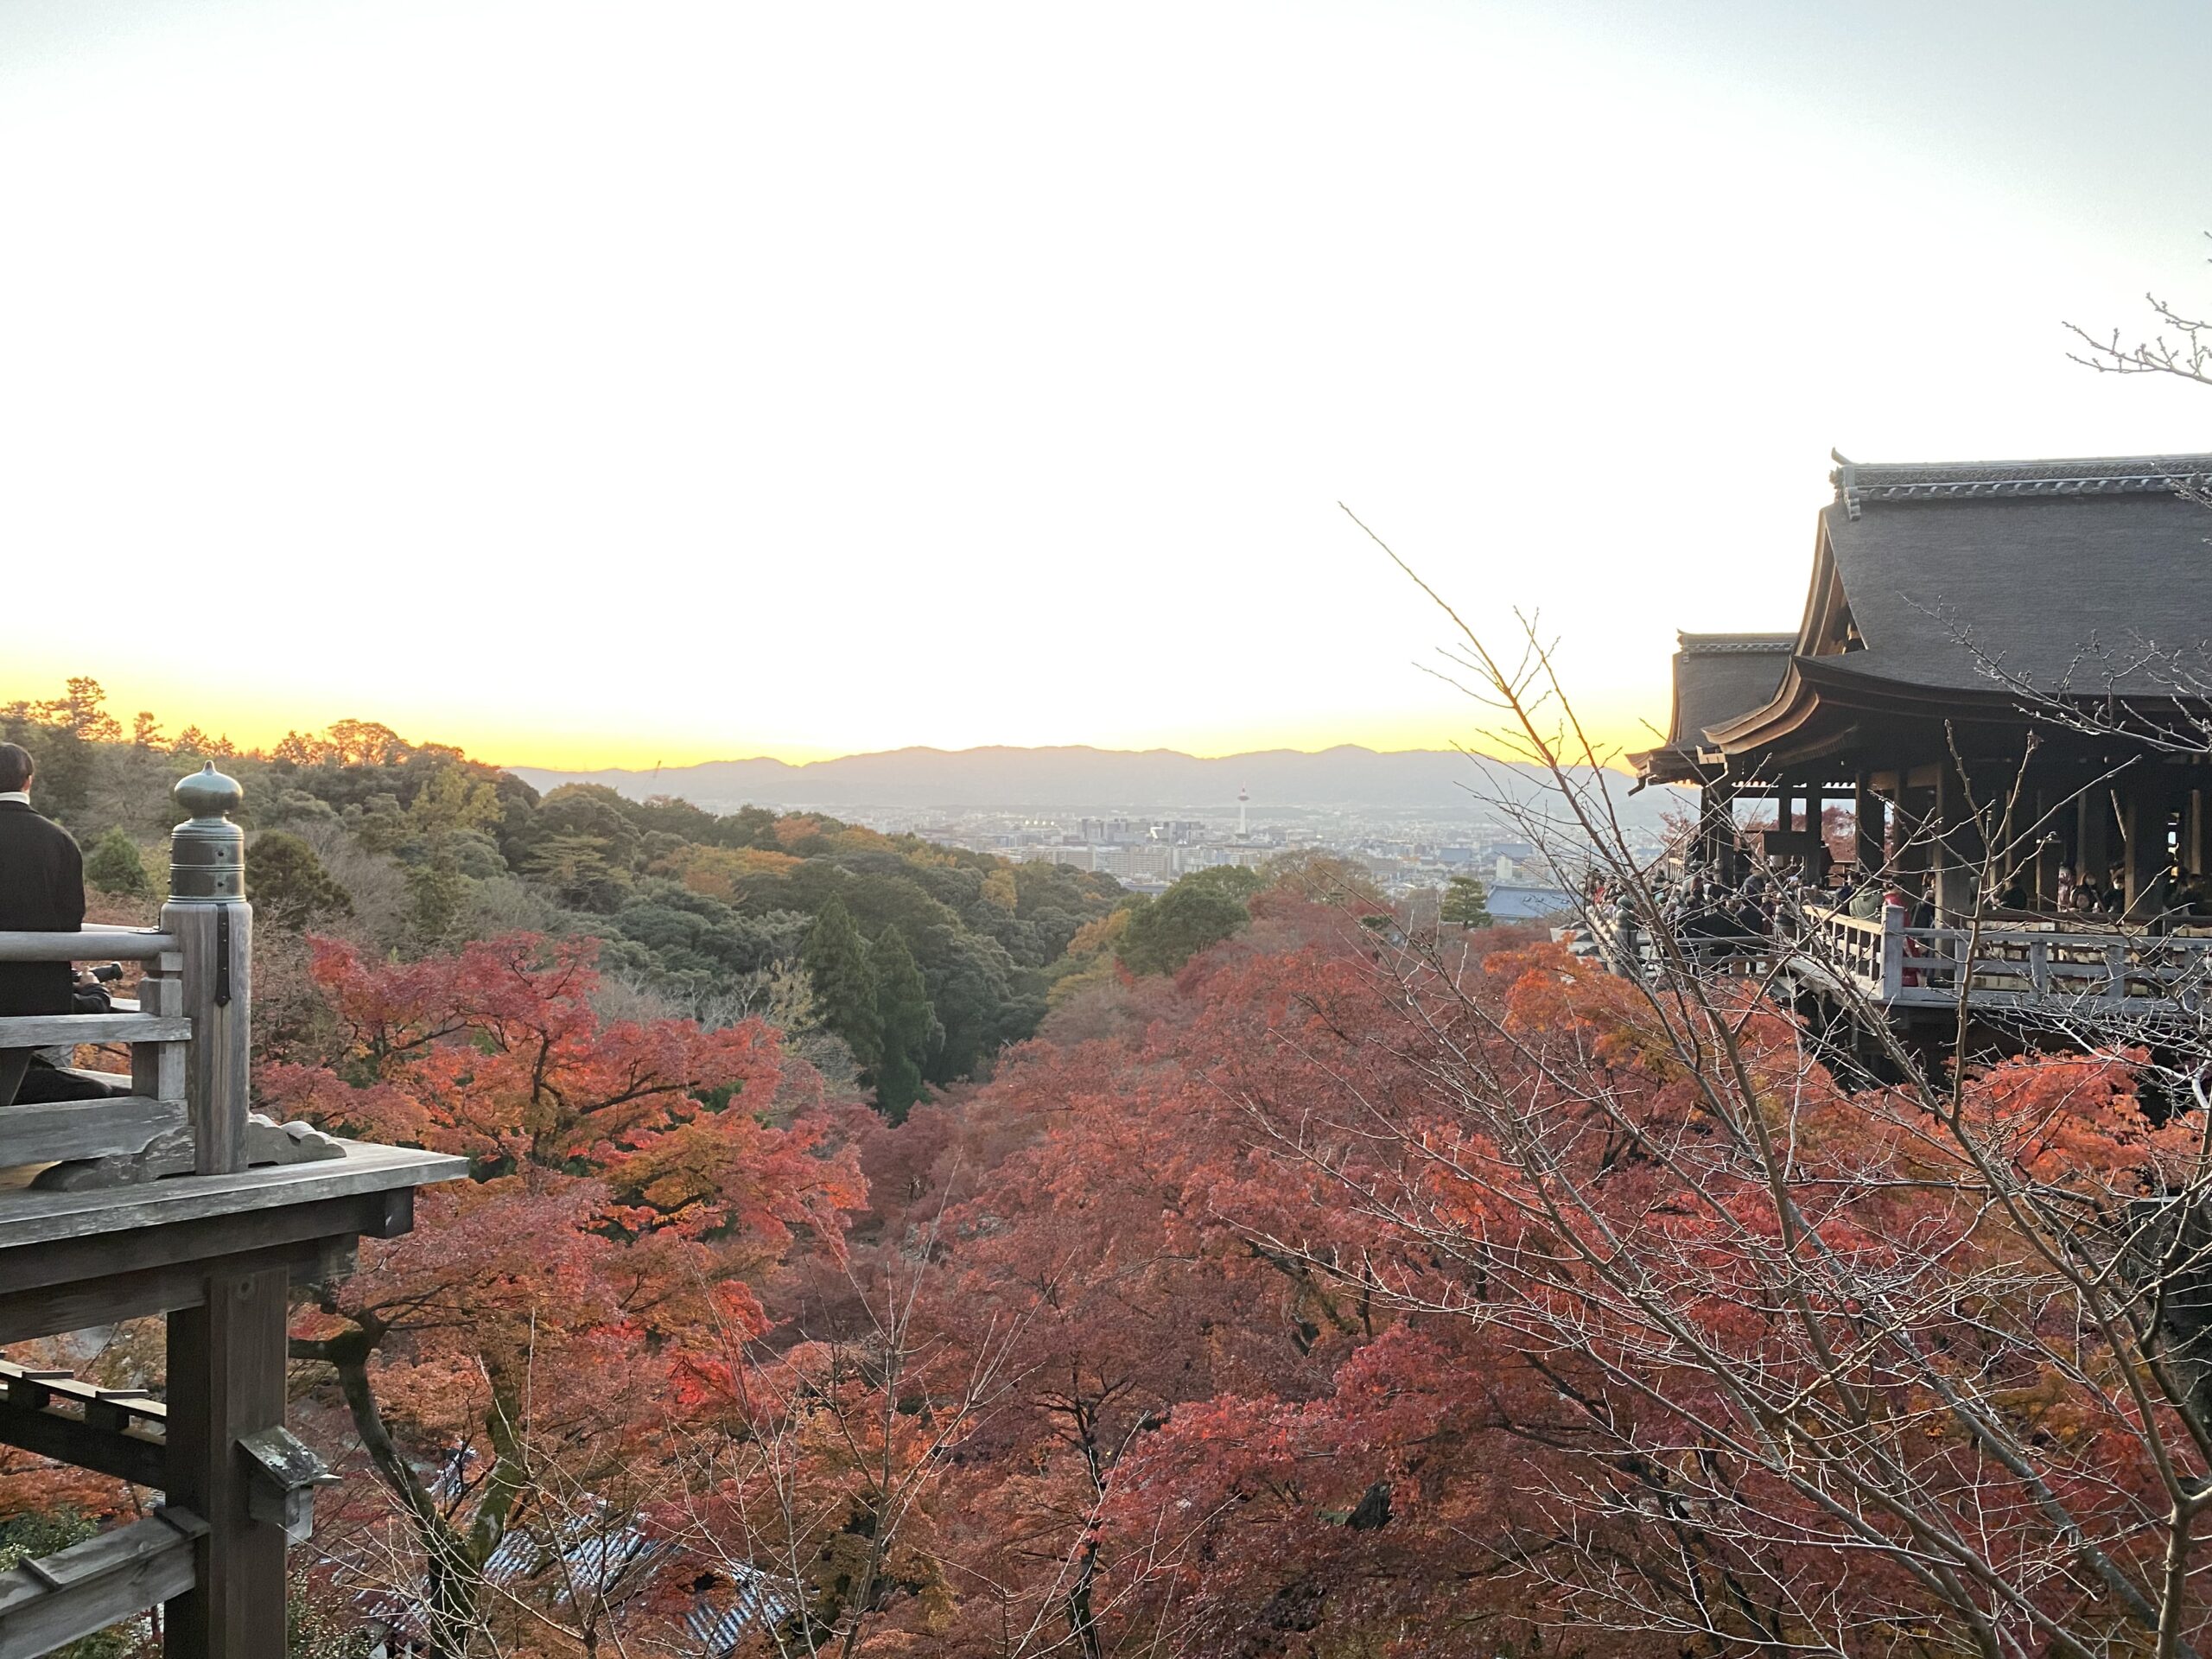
{"x":602,"y":385}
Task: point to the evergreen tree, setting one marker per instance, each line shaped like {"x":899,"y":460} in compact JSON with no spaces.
{"x":1466,"y":902}
{"x":1197,"y":912}
{"x":835,"y":960}
{"x":288,"y":883}
{"x":909,"y":1025}
{"x":437,"y":893}
{"x":113,"y":865}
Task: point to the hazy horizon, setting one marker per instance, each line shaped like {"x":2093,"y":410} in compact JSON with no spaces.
{"x":606,"y":388}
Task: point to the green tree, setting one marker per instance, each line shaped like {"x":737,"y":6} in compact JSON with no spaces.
{"x":437,"y":892}
{"x":908,"y":1022}
{"x":288,"y":884}
{"x":836,"y":962}
{"x":1197,"y":912}
{"x":1466,"y":902}
{"x":113,"y":865}
{"x":575,"y":867}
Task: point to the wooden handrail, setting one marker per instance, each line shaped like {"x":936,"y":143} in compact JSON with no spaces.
{"x":92,"y":945}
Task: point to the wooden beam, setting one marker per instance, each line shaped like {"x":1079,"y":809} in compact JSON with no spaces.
{"x":50,"y":1133}
{"x":203,"y":1243}
{"x":118,"y":1434}
{"x":82,"y":1304}
{"x":129,"y":1454}
{"x":51,"y":1217}
{"x":53,"y":1599}
{"x":226,"y":1380}
{"x":67,"y":1030}
{"x":92,"y":945}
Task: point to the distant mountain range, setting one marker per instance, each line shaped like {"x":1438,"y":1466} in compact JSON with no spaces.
{"x":1108,"y":781}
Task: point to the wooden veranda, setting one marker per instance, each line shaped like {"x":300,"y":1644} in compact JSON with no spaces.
{"x":171,"y":1198}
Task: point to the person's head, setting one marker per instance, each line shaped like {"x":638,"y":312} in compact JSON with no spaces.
{"x":15,"y":769}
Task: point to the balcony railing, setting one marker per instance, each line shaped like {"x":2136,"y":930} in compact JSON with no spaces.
{"x":183,"y":1108}
{"x":2007,"y":964}
{"x":2012,"y":964}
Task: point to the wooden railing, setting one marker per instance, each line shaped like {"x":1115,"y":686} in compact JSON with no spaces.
{"x":184,"y":1109}
{"x":156,"y":1123}
{"x":2001,"y":965}
{"x":2013,"y":965}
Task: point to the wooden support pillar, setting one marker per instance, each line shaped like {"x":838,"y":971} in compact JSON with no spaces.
{"x":2048,"y":849}
{"x":1715,"y":829}
{"x":2093,"y":834}
{"x":1720,"y":825}
{"x":2144,"y":812}
{"x":1909,"y":831}
{"x":226,"y":1380}
{"x":2193,"y":847}
{"x":1817,"y":861}
{"x":1867,"y":812}
{"x":217,"y":943}
{"x":1958,"y":850}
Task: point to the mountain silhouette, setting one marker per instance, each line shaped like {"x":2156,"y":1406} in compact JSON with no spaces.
{"x":1118,"y":780}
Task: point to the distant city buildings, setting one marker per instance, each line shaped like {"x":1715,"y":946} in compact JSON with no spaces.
{"x":1405,"y":852}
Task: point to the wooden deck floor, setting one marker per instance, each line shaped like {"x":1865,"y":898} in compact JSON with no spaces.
{"x":35,"y":1218}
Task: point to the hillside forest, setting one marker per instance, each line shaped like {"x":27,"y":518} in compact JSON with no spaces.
{"x":873,"y":1249}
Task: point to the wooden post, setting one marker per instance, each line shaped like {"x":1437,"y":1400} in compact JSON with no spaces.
{"x":1866,"y":811}
{"x":2093,"y":835}
{"x":216,"y":941}
{"x":214,"y":927}
{"x":1717,"y":829}
{"x":2048,"y":849}
{"x":226,"y":1380}
{"x":1893,"y":963}
{"x":2143,"y":823}
{"x":157,"y":1070}
{"x":1958,"y":849}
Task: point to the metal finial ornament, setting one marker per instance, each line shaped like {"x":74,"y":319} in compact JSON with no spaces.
{"x":207,"y":851}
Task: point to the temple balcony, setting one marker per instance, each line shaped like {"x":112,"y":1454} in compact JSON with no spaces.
{"x":2057,"y":967}
{"x":166,"y":1195}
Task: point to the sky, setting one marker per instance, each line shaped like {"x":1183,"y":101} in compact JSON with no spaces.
{"x":616,"y":385}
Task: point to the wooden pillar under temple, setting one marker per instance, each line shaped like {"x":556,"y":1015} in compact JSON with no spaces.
{"x":2145,"y":811}
{"x":1958,"y":848}
{"x":2093,"y":834}
{"x":2049,"y":850}
{"x":1867,"y":812}
{"x":226,"y":1380}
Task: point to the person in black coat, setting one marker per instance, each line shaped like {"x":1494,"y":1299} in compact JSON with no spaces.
{"x":41,"y":890}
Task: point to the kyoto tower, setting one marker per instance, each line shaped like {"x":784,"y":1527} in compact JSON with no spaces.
{"x":1243,"y":796}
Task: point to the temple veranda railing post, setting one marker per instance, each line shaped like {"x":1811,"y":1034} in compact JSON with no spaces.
{"x":226,"y":1356}
{"x":208,"y":914}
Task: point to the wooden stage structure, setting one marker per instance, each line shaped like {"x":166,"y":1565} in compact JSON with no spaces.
{"x":171,"y":1198}
{"x":2001,"y":669}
